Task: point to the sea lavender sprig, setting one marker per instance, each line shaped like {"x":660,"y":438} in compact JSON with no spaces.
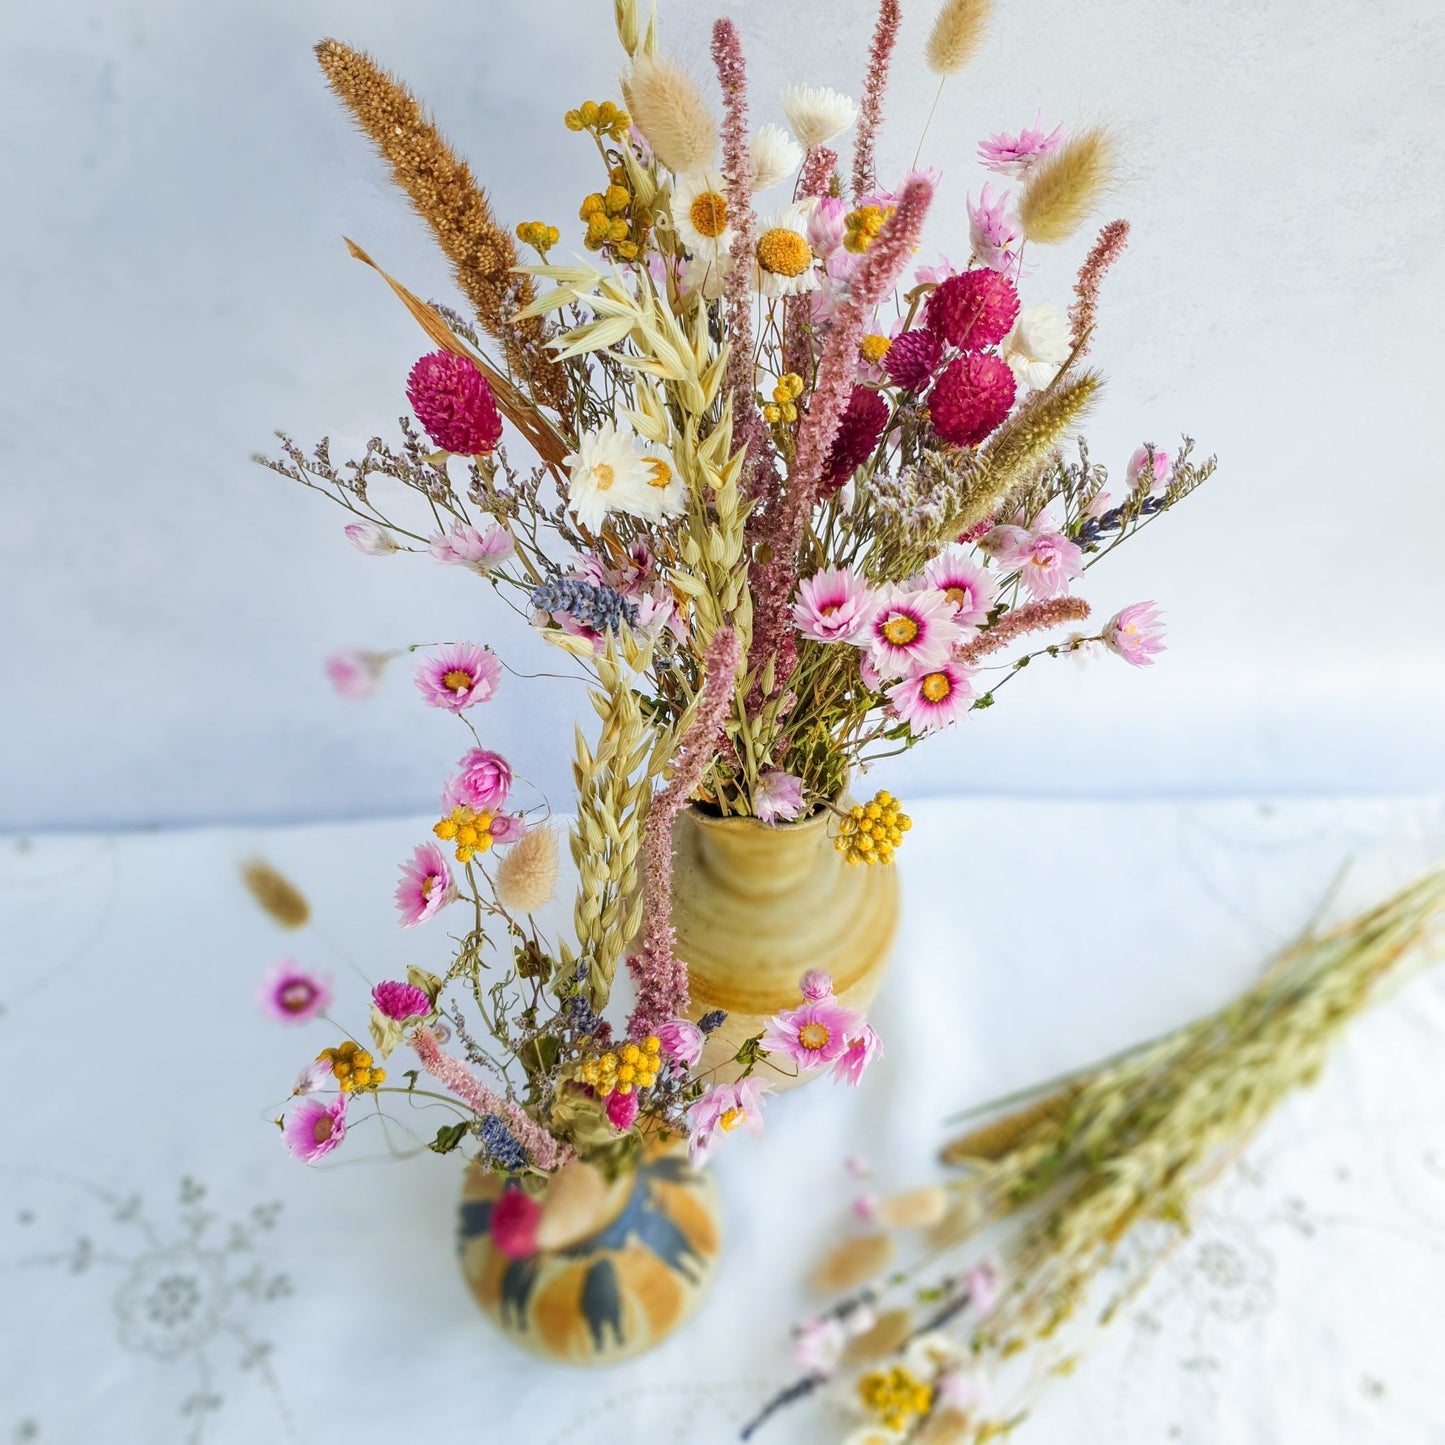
{"x":590,"y":605}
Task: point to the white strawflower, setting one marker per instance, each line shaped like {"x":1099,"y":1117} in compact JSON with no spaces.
{"x":783,"y":259}
{"x":776,"y":156}
{"x":1038,"y":345}
{"x":700,"y":213}
{"x":817,"y":114}
{"x":611,"y":472}
{"x":707,"y":274}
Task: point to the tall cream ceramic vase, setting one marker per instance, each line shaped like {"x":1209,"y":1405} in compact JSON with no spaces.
{"x":754,"y":907}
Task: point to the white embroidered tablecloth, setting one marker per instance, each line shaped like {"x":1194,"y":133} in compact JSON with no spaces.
{"x":170,"y":1275}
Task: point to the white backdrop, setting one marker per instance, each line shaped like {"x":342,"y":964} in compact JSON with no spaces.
{"x":177,"y":182}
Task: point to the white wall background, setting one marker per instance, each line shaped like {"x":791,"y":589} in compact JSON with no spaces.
{"x":177,"y":180}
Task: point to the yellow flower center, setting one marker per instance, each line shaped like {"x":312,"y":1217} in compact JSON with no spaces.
{"x":874,"y":348}
{"x":732,"y":1119}
{"x":956,"y":595}
{"x":829,"y":608}
{"x":900,"y":630}
{"x":709,"y":214}
{"x":427,"y":884}
{"x":603,"y":475}
{"x":661,"y":473}
{"x":814,"y":1036}
{"x":936,"y":686}
{"x":784,"y":252}
{"x":323,"y":1129}
{"x":457,"y":680}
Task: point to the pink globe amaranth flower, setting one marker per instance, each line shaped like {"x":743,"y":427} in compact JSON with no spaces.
{"x":778,"y":797}
{"x":355,"y":675}
{"x":834,"y":606}
{"x":971,"y":398}
{"x":483,"y":783}
{"x":722,"y":1110}
{"x":293,"y":994}
{"x":465,"y":546}
{"x":913,"y":358}
{"x":815,"y":985}
{"x":814,"y":1034}
{"x":401,"y":1001}
{"x":459,"y":676}
{"x":453,"y":402}
{"x":935,"y":698}
{"x":426,"y":885}
{"x":1136,"y":633}
{"x":911,"y":631}
{"x":681,"y":1039}
{"x":313,"y":1128}
{"x":313,"y":1078}
{"x":973,"y":309}
{"x":967,"y":587}
{"x":859,"y":428}
{"x":1138,"y":473}
{"x":863,"y":1048}
{"x":515,"y":1217}
{"x":367,"y":537}
{"x":1046,"y":560}
{"x":994,"y":232}
{"x":1015,"y":155}
{"x":622,"y":1110}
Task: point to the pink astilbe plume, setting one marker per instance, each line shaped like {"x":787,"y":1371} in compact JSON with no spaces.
{"x":1107,"y":249}
{"x":661,"y":977}
{"x":1031,"y":617}
{"x":885,"y":33}
{"x":542,"y":1149}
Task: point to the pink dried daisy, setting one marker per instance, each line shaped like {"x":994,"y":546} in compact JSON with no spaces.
{"x":859,"y":428}
{"x":292,"y":994}
{"x":912,"y":359}
{"x":935,"y":275}
{"x":720,"y":1111}
{"x":458,"y":676}
{"x":973,"y":309}
{"x":778,"y":797}
{"x":426,"y":885}
{"x":994,"y":232}
{"x":911,"y":631}
{"x":355,"y":675}
{"x":863,"y":1048}
{"x":971,"y":398}
{"x":814,"y":1034}
{"x":482,"y":784}
{"x":313,"y":1078}
{"x":1015,"y":155}
{"x":933,"y":699}
{"x":401,"y":1001}
{"x":681,"y":1039}
{"x":453,"y":402}
{"x":1143,"y":477}
{"x":968,"y":588}
{"x":465,"y":546}
{"x":834,"y":606}
{"x":1046,"y":560}
{"x":313,"y":1128}
{"x":370,"y":539}
{"x":1136,"y":633}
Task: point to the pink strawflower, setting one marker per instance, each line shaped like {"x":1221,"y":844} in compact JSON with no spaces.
{"x":1140,"y":476}
{"x":367,"y":537}
{"x":1135,"y":633}
{"x":973,"y":309}
{"x":869,"y":674}
{"x":814,"y":1034}
{"x":858,"y":1167}
{"x":994,"y":232}
{"x":622,"y":1110}
{"x":928,"y":700}
{"x":818,"y":1347}
{"x":975,"y":532}
{"x":816,"y":984}
{"x":778,"y":797}
{"x":460,"y":675}
{"x":935,"y":275}
{"x":964,"y":585}
{"x":834,"y":606}
{"x":1097,"y":505}
{"x":863,"y":1048}
{"x":314,"y":1128}
{"x":865,"y":1206}
{"x":984,"y":1286}
{"x":292,"y":994}
{"x":971,"y":398}
{"x":453,"y":402}
{"x":464,"y":546}
{"x":826,"y":229}
{"x":507,"y":828}
{"x":483,"y":783}
{"x":681,"y":1039}
{"x":355,"y":675}
{"x":426,"y":885}
{"x":312,"y":1079}
{"x":720,"y":1111}
{"x":911,"y":631}
{"x":1046,"y":560}
{"x":859,"y":428}
{"x":515,"y":1217}
{"x":1015,"y":155}
{"x":913,"y":358}
{"x":401,"y":1001}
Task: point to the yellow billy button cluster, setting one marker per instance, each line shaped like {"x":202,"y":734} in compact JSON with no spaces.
{"x":539,"y":236}
{"x":784,"y":405}
{"x":352,"y":1067}
{"x":862,"y":225}
{"x":871,"y":831}
{"x":612,"y":221}
{"x":633,"y":1066}
{"x":604,"y":119}
{"x":895,"y":1396}
{"x":469,"y":829}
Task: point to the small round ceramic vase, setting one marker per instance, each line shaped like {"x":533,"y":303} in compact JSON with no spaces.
{"x":619,"y":1290}
{"x":754,"y":907}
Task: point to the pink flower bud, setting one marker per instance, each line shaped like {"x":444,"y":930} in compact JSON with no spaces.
{"x":369,"y":538}
{"x":816,"y":984}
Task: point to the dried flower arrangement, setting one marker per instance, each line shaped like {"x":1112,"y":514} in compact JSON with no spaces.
{"x":948,"y":1346}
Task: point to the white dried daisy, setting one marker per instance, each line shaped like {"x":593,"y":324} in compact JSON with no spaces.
{"x":700,"y":213}
{"x":783,"y":259}
{"x":776,"y":156}
{"x":817,"y":114}
{"x":611,"y":472}
{"x":1038,"y":345}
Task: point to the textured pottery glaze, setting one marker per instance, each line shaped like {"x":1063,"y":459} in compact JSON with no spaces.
{"x":620,"y":1290}
{"x":754,"y":907}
